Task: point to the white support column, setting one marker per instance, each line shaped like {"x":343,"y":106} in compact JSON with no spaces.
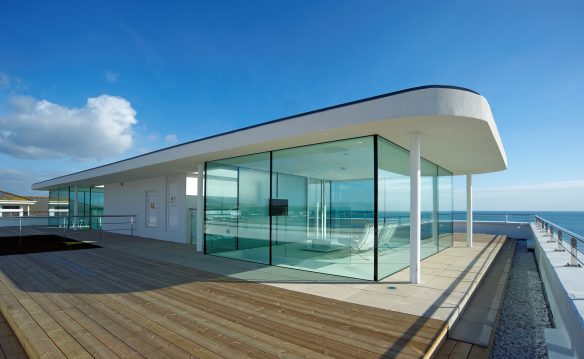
{"x":415,"y":210}
{"x":75,"y":208}
{"x":200,"y":207}
{"x":469,"y":218}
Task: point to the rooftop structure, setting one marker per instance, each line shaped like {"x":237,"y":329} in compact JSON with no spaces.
{"x":362,"y":189}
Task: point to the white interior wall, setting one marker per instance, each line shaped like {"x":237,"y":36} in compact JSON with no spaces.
{"x":129,"y":198}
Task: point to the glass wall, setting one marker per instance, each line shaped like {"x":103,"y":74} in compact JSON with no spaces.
{"x":394,"y":208}
{"x":90,"y":202}
{"x":429,"y":230}
{"x":328,"y":189}
{"x":59,"y":207}
{"x":313,"y":208}
{"x":237,"y":221}
{"x":445,"y":207}
{"x":96,"y":196}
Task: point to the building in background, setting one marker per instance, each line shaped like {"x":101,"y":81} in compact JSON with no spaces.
{"x":12,"y":205}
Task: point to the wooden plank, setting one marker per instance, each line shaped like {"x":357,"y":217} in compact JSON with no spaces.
{"x":323,"y":303}
{"x":272,"y":313}
{"x":207,"y":320}
{"x":225,"y":311}
{"x":95,"y":309}
{"x":351,"y":314}
{"x":461,"y":350}
{"x":161,"y":309}
{"x":77,"y":332}
{"x":11,"y":347}
{"x":304,"y":340}
{"x":447,"y":347}
{"x":478,"y":352}
{"x":33,"y":338}
{"x":223,"y":345}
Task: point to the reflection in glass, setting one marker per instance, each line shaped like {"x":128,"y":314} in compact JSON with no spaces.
{"x":445,"y":228}
{"x":329,"y":226}
{"x":236,"y":207}
{"x":394,"y":208}
{"x":319,"y":215}
{"x":429,"y":230}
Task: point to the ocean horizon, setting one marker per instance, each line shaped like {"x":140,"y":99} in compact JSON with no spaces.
{"x":570,"y":220}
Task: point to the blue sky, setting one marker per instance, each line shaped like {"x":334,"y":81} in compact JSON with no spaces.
{"x":83,"y":84}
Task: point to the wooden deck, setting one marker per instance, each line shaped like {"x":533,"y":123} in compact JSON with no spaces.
{"x":103,"y":303}
{"x":453,"y":349}
{"x":10,"y":347}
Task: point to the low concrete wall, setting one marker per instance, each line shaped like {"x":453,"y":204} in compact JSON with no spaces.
{"x":518,"y":230}
{"x":564,"y":287}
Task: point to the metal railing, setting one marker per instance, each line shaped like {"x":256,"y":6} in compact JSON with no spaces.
{"x":100,"y":223}
{"x":566,"y":240}
{"x":497,"y":217}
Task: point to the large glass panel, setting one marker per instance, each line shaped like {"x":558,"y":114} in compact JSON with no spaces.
{"x":429,"y":230}
{"x":445,"y":189}
{"x":96,"y":207}
{"x":394,"y":208}
{"x":328,"y":191}
{"x":236,"y":207}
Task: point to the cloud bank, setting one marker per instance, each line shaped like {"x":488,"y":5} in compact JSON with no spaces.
{"x":567,"y":195}
{"x":39,"y":129}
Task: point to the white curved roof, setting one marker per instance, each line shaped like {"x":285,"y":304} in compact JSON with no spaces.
{"x":457,"y":130}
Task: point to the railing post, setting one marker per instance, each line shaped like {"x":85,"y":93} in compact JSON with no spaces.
{"x":132,"y":226}
{"x":551,"y":232}
{"x":574,"y":253}
{"x":20,"y":230}
{"x":560,"y":246}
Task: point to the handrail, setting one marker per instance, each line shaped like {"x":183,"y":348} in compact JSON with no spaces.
{"x":548,"y":227}
{"x":566,"y":231}
{"x":73,"y":222}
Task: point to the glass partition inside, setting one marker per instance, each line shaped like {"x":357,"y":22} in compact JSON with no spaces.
{"x":394,"y":208}
{"x":328,"y":189}
{"x":237,"y":197}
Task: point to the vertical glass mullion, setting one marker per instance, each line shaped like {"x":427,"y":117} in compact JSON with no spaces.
{"x":205,"y":210}
{"x":270,"y":209}
{"x":375,"y":209}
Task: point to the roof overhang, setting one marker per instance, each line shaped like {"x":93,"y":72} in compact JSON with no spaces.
{"x":16,"y":202}
{"x":456,"y":125}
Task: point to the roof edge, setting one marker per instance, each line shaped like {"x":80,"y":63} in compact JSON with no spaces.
{"x":354,"y":102}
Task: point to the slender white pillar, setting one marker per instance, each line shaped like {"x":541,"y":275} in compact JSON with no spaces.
{"x":200,"y":207}
{"x":469,"y":218}
{"x":415,"y":210}
{"x":75,"y":208}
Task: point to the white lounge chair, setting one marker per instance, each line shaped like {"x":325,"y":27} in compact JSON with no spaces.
{"x":386,"y":233}
{"x":364,"y":243}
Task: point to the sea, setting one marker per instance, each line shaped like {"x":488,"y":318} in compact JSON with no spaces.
{"x":570,"y":220}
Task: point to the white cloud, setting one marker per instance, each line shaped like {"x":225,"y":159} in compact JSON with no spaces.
{"x":112,"y":76}
{"x":170,"y":139}
{"x":39,"y":129}
{"x":4,"y":81}
{"x":565,"y":195}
